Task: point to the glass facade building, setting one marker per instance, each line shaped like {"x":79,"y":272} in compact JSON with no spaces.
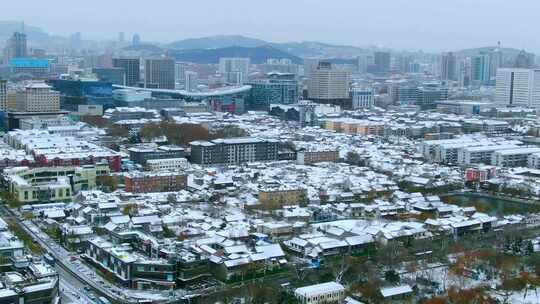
{"x":76,"y":92}
{"x":278,"y":88}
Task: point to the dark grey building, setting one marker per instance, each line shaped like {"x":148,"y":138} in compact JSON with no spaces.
{"x":381,"y":62}
{"x":141,"y":154}
{"x":159,"y":73}
{"x":233,"y":151}
{"x":132,"y":69}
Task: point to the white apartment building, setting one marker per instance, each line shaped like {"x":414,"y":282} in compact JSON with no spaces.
{"x":533,"y":161}
{"x":234,"y":70}
{"x":180,"y":69}
{"x":166,"y":164}
{"x":330,"y":292}
{"x":518,"y":87}
{"x":362,"y":98}
{"x":38,"y":97}
{"x":513,"y":157}
{"x":481,"y":154}
{"x":191,"y":81}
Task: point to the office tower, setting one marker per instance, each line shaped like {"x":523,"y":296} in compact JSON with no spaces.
{"x":234,"y":70}
{"x":136,"y":40}
{"x":121,"y":37}
{"x":113,"y":75}
{"x":15,"y":47}
{"x":381,"y":62}
{"x":180,"y":69}
{"x":518,"y":87}
{"x":523,"y":60}
{"x":191,"y":81}
{"x":310,"y":65}
{"x":132,"y":68}
{"x":481,"y":69}
{"x":464,"y":72}
{"x":38,"y":97}
{"x":3,"y":95}
{"x":449,"y":67}
{"x":276,"y":88}
{"x":362,"y":98}
{"x":159,"y":73}
{"x":364,"y":62}
{"x":328,"y":85}
{"x":429,"y":93}
{"x":401,"y":63}
{"x":495,"y":61}
{"x":75,"y":40}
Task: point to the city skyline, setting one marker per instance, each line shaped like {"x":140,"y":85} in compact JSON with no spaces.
{"x":392,"y":24}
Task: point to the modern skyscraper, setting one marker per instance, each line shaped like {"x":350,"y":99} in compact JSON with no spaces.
{"x":276,"y":88}
{"x":3,"y":95}
{"x":402,"y":63}
{"x":523,"y":60}
{"x":38,"y":97}
{"x":191,"y":81}
{"x":234,"y":70}
{"x":381,"y":62}
{"x":180,"y":69}
{"x":480,"y":66}
{"x":159,"y":73}
{"x":449,"y":67}
{"x":328,"y":85}
{"x":310,"y":64}
{"x":132,"y":68}
{"x":136,"y":40}
{"x":518,"y":87}
{"x":121,"y":37}
{"x":364,"y":62}
{"x":15,"y":47}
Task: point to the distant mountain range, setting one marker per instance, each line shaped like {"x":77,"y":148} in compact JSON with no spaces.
{"x":210,"y":49}
{"x":216,"y":42}
{"x":305,"y":49}
{"x":257,"y":54}
{"x":511,"y":52}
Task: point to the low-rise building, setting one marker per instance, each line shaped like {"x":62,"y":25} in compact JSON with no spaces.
{"x":51,"y":184}
{"x":143,"y":182}
{"x":327,"y":293}
{"x":513,"y":157}
{"x":277,"y":197}
{"x":141,"y":154}
{"x":233,"y":151}
{"x":167,"y":164}
{"x":129,"y":267}
{"x":312,"y":156}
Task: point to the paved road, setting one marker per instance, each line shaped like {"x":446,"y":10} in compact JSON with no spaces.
{"x":72,"y":289}
{"x":62,"y":257}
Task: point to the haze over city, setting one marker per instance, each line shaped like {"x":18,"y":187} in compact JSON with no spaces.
{"x":431,"y":25}
{"x":269,"y":152}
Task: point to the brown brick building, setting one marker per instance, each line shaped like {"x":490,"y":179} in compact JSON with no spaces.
{"x":155,"y":182}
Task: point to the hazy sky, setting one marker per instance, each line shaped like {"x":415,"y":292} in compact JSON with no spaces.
{"x":403,"y":24}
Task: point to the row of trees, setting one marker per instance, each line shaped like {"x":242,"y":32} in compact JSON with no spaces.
{"x":183,"y":134}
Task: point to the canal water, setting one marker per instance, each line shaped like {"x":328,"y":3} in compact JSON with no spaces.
{"x":491,"y":205}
